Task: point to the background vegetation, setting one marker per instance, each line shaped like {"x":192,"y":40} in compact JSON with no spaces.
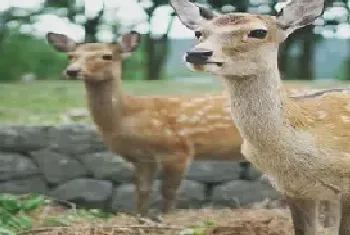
{"x":22,"y":53}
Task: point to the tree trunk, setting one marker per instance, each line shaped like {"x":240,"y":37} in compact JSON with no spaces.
{"x":91,"y":27}
{"x":306,"y":65}
{"x":156,"y":51}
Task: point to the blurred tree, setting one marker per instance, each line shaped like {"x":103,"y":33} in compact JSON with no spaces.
{"x":75,"y":11}
{"x":18,"y":49}
{"x":156,"y":47}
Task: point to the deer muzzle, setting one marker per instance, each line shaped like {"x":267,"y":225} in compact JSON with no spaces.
{"x":198,"y":56}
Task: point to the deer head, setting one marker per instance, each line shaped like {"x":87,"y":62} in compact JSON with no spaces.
{"x":91,"y":61}
{"x":239,"y":43}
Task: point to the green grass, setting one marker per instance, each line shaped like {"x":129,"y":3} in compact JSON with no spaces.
{"x":45,"y":102}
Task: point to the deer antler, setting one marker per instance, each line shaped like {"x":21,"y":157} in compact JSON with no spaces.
{"x":299,"y":13}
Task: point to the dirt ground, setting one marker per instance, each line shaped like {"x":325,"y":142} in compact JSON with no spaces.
{"x":187,"y":222}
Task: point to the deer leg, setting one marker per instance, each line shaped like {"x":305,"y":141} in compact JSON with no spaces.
{"x":245,"y":167}
{"x":344,"y":227}
{"x":144,"y":174}
{"x":304,"y":215}
{"x":331,"y":214}
{"x":173,"y":173}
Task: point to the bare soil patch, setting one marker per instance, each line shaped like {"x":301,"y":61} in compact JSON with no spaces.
{"x":186,"y":222}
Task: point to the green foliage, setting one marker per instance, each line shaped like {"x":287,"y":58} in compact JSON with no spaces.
{"x":14,"y":212}
{"x":134,"y":65}
{"x":74,"y":216}
{"x":22,"y":54}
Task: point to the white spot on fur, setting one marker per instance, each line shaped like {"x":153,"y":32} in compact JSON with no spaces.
{"x":195,"y":118}
{"x":198,"y":100}
{"x":345,"y":119}
{"x":183,"y":132}
{"x":156,"y":122}
{"x":213,"y":117}
{"x":321,"y":114}
{"x":182,"y":118}
{"x":206,"y":108}
{"x":227,"y":109}
{"x":200,"y":112}
{"x":187,"y":105}
{"x":220,"y":125}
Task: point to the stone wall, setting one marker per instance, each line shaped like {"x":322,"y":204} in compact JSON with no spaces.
{"x":69,"y":162}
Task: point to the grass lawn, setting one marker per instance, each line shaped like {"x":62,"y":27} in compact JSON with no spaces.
{"x":47,"y":102}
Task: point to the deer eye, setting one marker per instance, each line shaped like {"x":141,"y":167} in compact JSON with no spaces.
{"x":107,"y":57}
{"x":198,"y":34}
{"x":258,"y":33}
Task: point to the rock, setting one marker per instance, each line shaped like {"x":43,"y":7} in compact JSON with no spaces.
{"x":35,"y":184}
{"x":190,"y":195}
{"x":85,"y":192}
{"x":106,"y":165}
{"x":14,"y":166}
{"x":213,"y":171}
{"x":239,"y":193}
{"x":23,"y":138}
{"x":56,"y":167}
{"x":75,"y":139}
{"x":250,"y":173}
{"x":124,"y":197}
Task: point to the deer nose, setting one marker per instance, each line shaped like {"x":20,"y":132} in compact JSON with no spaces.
{"x":198,"y":56}
{"x":73,"y":72}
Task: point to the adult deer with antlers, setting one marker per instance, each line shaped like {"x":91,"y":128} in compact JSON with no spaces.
{"x":303,"y":143}
{"x":150,"y":131}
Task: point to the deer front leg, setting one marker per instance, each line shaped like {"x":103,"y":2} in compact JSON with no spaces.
{"x":344,"y":227}
{"x":144,"y":174}
{"x":173,"y":173}
{"x":304,"y":215}
{"x":331,"y":215}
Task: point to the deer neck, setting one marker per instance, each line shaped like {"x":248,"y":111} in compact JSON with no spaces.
{"x":257,"y":103}
{"x":105,"y":101}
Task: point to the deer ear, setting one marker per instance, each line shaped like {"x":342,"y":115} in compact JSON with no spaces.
{"x":188,"y":13}
{"x":61,"y":42}
{"x":129,"y":42}
{"x":298,"y":13}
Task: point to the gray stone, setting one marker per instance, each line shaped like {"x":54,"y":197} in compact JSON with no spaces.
{"x":124,"y":197}
{"x":23,"y":138}
{"x":84,"y":192}
{"x":33,"y":184}
{"x":190,"y":195}
{"x":14,"y":166}
{"x":239,"y":193}
{"x":249,"y":172}
{"x":56,"y":167}
{"x":75,"y":139}
{"x":213,"y":171}
{"x":106,"y":165}
{"x":253,"y":173}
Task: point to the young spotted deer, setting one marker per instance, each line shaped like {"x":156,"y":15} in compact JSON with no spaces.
{"x":150,"y":131}
{"x":301,"y":143}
